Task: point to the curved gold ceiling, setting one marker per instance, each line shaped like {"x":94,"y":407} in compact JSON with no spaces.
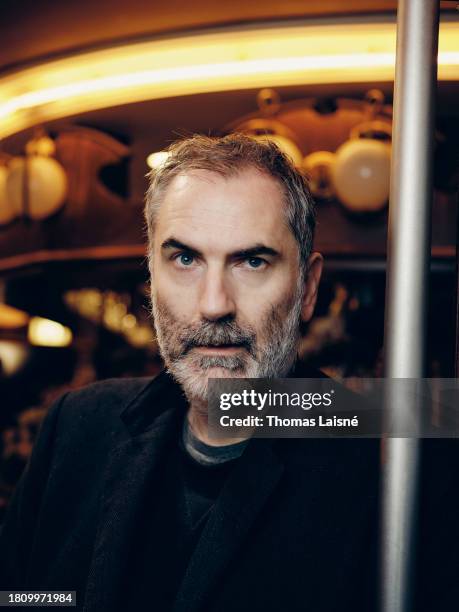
{"x":220,"y":61}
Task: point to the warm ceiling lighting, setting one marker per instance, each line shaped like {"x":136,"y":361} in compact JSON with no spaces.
{"x":220,"y":61}
{"x":12,"y":318}
{"x":157,"y":159}
{"x":13,"y":356}
{"x":44,"y":332}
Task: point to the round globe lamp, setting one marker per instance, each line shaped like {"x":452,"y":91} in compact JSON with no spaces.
{"x":46,"y":183}
{"x":361,"y":174}
{"x":287,"y":146}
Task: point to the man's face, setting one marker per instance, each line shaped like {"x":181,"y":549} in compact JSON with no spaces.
{"x":226,"y":289}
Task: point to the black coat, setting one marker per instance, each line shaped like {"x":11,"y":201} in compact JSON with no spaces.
{"x":295,"y":526}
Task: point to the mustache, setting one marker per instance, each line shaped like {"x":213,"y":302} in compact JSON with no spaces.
{"x":218,"y":334}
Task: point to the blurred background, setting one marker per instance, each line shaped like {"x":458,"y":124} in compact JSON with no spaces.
{"x":90,"y":96}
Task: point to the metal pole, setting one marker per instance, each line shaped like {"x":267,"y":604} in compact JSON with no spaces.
{"x":407,"y":278}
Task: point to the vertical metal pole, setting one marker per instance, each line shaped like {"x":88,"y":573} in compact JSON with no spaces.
{"x":457,"y":291}
{"x":407,"y":277}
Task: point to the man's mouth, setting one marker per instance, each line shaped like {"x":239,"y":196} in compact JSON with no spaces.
{"x":218,"y":349}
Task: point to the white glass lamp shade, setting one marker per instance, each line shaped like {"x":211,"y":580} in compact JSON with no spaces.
{"x":7,"y":210}
{"x":286,"y":145}
{"x":361,"y":174}
{"x":47,"y":186}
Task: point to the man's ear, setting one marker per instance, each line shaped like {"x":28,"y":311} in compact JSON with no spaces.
{"x":313,"y":274}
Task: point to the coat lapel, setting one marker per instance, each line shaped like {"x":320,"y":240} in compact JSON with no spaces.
{"x":242,"y":498}
{"x":129,"y":474}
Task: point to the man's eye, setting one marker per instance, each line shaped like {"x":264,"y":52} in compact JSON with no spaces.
{"x":255,"y":262}
{"x":185,"y":259}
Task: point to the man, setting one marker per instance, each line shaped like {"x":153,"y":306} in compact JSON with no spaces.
{"x":230,"y":262}
{"x":126,"y":498}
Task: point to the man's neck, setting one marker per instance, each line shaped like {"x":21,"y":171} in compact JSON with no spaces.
{"x":197,"y":413}
{"x":197,"y":419}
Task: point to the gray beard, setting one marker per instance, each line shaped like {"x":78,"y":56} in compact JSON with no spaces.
{"x":192,"y":371}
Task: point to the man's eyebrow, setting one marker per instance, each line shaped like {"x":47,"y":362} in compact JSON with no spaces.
{"x":173,"y":243}
{"x":257,"y":249}
{"x":253,"y":251}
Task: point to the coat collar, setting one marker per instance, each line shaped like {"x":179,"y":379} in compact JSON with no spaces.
{"x":162,"y":393}
{"x":130,"y":470}
{"x":157,"y":397}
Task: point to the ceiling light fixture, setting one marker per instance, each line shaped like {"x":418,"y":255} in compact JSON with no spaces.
{"x":157,"y":159}
{"x":44,"y":332}
{"x":242,"y":58}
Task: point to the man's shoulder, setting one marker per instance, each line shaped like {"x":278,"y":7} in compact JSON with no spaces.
{"x":112,"y":393}
{"x":100,"y":405}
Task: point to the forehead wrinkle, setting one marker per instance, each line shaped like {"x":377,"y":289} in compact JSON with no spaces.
{"x":181,"y":181}
{"x":229,"y":210}
{"x":191,"y":228}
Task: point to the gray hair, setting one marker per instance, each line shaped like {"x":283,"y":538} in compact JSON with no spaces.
{"x":228,"y":156}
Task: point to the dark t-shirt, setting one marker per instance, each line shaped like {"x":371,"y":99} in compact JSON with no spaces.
{"x":175,"y":514}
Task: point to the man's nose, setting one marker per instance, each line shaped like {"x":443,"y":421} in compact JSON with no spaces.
{"x":216,"y":300}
